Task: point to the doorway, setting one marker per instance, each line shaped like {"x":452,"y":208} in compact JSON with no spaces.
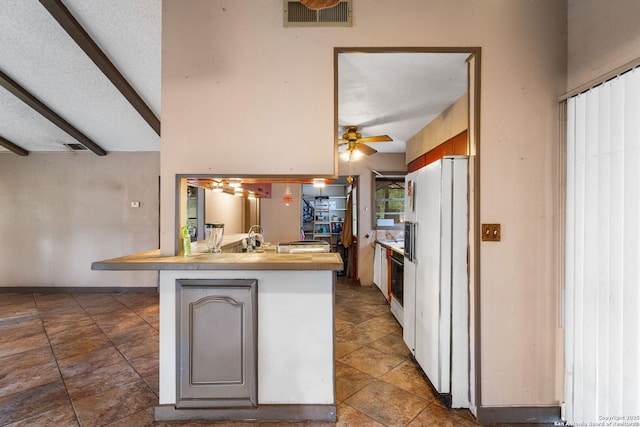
{"x":326,"y":214}
{"x":378,"y":91}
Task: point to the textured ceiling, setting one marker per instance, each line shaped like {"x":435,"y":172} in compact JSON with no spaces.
{"x":40,"y":56}
{"x":397,"y":93}
{"x":384,"y":93}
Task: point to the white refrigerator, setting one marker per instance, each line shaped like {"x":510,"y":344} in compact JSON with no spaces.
{"x":436,"y":301}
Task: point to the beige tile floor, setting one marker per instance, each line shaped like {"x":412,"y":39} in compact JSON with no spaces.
{"x":91,"y":359}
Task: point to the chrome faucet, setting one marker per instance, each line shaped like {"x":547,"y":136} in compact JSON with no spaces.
{"x":255,"y":236}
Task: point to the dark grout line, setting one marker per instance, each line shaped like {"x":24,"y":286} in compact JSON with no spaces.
{"x":64,"y":383}
{"x":360,"y":297}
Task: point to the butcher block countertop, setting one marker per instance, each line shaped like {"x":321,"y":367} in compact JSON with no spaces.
{"x":153,"y":260}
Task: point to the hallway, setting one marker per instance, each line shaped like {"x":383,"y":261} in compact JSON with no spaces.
{"x":91,"y":359}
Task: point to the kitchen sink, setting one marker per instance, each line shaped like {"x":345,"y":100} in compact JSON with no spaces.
{"x":304,"y":246}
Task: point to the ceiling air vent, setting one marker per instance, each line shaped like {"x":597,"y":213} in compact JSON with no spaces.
{"x":298,"y":15}
{"x":75,"y":147}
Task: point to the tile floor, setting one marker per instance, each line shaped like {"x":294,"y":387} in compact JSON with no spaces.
{"x":91,"y":359}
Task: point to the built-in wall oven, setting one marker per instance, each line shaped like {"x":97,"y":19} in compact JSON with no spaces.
{"x":397,"y":285}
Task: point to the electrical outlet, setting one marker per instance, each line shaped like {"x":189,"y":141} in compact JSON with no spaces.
{"x":491,"y":232}
{"x":135,"y":204}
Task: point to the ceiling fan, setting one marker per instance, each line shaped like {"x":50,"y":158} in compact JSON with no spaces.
{"x":355,"y":143}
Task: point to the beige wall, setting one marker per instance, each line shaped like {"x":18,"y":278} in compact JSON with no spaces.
{"x":239,"y":91}
{"x":603,"y":35}
{"x":224,"y":208}
{"x":451,"y":122}
{"x":281,"y":223}
{"x":59,"y":212}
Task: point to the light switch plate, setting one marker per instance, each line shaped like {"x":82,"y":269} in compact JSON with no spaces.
{"x":491,"y":232}
{"x":135,"y":204}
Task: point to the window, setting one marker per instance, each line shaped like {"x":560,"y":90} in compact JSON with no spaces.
{"x":388,"y":201}
{"x":601,"y":250}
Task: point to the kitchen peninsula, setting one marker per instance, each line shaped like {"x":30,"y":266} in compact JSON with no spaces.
{"x":243,"y":336}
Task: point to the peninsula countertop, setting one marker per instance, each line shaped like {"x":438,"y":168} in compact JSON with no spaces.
{"x":268,"y":260}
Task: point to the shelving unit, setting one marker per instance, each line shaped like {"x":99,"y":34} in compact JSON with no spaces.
{"x":323,"y":212}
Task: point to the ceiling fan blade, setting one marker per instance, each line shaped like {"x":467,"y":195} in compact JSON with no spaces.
{"x":379,"y":138}
{"x":365,"y":149}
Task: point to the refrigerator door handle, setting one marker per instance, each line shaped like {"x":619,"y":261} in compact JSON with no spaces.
{"x":410,"y":229}
{"x":414,"y":236}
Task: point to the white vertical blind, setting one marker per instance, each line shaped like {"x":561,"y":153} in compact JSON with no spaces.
{"x":602,"y":265}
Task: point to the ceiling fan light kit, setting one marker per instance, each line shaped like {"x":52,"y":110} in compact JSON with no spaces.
{"x":355,"y":144}
{"x":351,"y":155}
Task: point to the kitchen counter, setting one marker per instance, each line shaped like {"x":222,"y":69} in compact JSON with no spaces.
{"x":286,"y":341}
{"x":394,"y":245}
{"x":268,"y":260}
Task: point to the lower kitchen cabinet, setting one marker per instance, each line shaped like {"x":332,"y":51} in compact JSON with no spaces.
{"x":377,"y":266}
{"x":216,"y":343}
{"x":381,"y":270}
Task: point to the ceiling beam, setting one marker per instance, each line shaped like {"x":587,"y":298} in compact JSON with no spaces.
{"x":13,"y":147}
{"x":61,"y":14}
{"x":33,"y":102}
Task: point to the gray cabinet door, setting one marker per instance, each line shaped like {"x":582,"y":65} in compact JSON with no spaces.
{"x":217,"y":343}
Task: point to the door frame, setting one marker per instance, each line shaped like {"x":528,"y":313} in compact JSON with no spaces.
{"x":473,"y":90}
